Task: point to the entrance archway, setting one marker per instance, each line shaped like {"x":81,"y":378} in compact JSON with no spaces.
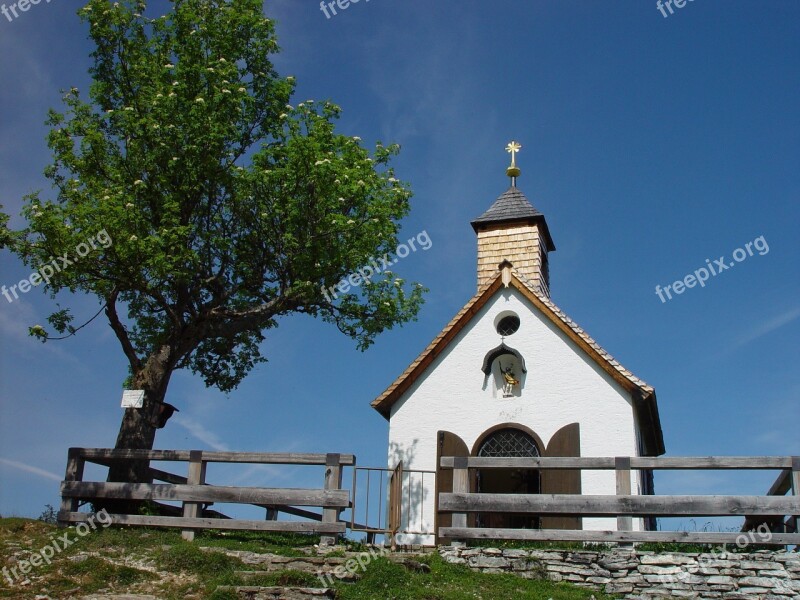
{"x":508,"y":441}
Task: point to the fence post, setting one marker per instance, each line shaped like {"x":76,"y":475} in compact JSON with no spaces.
{"x":333,"y":481}
{"x":197,"y":476}
{"x":795,"y":519}
{"x":460,"y":486}
{"x":74,"y":472}
{"x":622,"y":465}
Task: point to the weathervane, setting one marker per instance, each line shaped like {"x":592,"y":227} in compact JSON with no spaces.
{"x":513,"y":171}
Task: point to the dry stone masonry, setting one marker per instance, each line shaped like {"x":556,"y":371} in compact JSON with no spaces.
{"x":633,"y":574}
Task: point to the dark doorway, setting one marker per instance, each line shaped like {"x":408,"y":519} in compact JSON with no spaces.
{"x":508,"y":443}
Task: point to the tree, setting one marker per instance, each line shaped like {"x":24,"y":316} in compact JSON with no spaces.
{"x":5,"y":234}
{"x":223,"y":207}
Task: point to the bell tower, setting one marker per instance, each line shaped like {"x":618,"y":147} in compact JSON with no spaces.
{"x":513,"y":230}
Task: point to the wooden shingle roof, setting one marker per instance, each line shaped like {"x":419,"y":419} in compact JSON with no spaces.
{"x":512,"y":207}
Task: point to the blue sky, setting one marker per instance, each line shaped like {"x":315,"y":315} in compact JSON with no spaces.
{"x":650,"y":143}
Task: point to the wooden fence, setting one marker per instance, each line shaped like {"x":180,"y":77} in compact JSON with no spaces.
{"x":775,"y":508}
{"x":195,"y":495}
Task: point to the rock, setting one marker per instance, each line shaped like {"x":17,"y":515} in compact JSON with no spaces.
{"x":489,"y":562}
{"x":721,"y":580}
{"x":764,"y":582}
{"x":416,"y":567}
{"x":668,"y":559}
{"x":619,"y":588}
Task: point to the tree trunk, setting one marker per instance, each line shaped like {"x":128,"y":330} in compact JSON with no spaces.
{"x":137,"y":432}
{"x":138,"y":429}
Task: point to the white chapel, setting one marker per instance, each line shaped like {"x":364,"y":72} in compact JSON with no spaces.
{"x":511,"y":375}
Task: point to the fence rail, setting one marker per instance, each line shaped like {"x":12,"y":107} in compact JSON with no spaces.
{"x":195,"y":494}
{"x":775,"y":509}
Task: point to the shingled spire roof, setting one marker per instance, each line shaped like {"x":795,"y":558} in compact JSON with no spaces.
{"x":512,"y":207}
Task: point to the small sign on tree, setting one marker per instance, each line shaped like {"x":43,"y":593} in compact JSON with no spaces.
{"x":133,"y":399}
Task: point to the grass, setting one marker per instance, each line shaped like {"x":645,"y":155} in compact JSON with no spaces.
{"x":159,"y":562}
{"x":282,"y":544}
{"x":384,"y":579}
{"x":527,"y":545}
{"x":657,"y":547}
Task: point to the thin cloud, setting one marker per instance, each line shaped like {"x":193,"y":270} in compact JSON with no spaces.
{"x":30,"y":469}
{"x":209,"y":438}
{"x":768,"y":327}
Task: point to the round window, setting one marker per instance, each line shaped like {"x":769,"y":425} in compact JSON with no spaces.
{"x":508,"y":325}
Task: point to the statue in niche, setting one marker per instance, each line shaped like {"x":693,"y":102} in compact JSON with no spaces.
{"x":510,"y":380}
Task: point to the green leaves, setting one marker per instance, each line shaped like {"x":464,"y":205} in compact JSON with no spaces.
{"x":228,"y":205}
{"x":6,"y":236}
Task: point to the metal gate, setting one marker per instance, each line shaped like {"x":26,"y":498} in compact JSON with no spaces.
{"x":388,"y":502}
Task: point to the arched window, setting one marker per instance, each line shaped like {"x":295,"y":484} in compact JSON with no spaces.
{"x":509,"y":443}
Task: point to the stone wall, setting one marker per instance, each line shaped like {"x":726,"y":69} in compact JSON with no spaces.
{"x":633,"y":574}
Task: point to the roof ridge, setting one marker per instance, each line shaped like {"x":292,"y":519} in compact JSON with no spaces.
{"x":567,"y":320}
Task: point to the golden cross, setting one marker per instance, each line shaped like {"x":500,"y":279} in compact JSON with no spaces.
{"x":513,"y":148}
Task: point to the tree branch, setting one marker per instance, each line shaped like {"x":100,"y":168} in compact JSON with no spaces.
{"x":121,"y":332}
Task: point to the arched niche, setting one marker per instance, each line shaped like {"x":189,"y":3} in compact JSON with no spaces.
{"x":504,"y":359}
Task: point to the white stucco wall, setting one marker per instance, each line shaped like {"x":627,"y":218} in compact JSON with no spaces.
{"x":562,"y":386}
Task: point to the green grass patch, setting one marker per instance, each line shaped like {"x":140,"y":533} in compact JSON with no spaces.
{"x":95,"y":573}
{"x":186,"y":557}
{"x":200,"y":572}
{"x":282,"y":544}
{"x":534,"y":545}
{"x":384,"y":579}
{"x":284,"y":578}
